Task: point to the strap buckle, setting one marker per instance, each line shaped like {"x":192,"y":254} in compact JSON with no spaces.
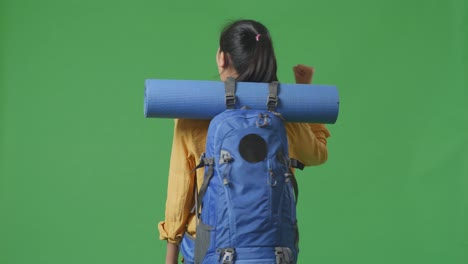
{"x":283,"y":255}
{"x":262,"y":120}
{"x":272,"y":102}
{"x":230,"y":100}
{"x":227,"y":256}
{"x":208,"y":162}
{"x":296,"y":164}
{"x":225,"y":157}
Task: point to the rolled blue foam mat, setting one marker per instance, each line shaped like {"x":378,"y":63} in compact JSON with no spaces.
{"x":205,"y":99}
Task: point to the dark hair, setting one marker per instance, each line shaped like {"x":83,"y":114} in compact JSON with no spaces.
{"x":248,"y":47}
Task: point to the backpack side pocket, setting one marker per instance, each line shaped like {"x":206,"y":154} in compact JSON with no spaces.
{"x":187,"y":247}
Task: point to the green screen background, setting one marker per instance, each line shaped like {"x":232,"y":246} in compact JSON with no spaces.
{"x":83,"y":174}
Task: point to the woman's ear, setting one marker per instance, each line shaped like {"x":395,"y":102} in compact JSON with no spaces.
{"x":221,"y":59}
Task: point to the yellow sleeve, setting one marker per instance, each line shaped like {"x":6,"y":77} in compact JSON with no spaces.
{"x":180,"y":186}
{"x":308,"y":142}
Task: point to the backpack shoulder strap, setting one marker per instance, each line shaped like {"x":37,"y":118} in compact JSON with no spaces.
{"x":207,"y":178}
{"x":294,"y":163}
{"x":208,"y":175}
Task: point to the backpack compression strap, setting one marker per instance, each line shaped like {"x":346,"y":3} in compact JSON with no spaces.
{"x":230,"y":94}
{"x":230,"y":89}
{"x":272,"y":100}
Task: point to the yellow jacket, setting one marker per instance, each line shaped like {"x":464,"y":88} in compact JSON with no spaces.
{"x":307,"y":143}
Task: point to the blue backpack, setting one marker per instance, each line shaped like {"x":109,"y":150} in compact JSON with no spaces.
{"x":247,"y":200}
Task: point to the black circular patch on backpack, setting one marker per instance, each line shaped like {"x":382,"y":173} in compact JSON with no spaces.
{"x":253,"y":148}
